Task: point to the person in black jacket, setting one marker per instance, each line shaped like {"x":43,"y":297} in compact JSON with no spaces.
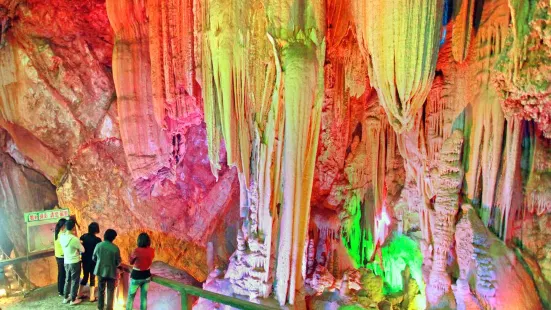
{"x":89,"y":241}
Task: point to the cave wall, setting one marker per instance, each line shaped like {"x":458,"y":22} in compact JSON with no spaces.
{"x":311,"y":141}
{"x":63,"y":119}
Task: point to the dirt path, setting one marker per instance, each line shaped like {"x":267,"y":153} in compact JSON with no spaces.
{"x":43,"y":298}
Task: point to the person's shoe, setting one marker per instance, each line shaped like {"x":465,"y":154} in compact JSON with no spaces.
{"x":81,"y":292}
{"x":65,"y":300}
{"x":76,"y":302}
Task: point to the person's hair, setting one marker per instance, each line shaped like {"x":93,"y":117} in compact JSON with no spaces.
{"x":110,"y":235}
{"x":143,"y":240}
{"x":59,"y":226}
{"x":69,"y":225}
{"x":93,"y":228}
{"x":74,"y":219}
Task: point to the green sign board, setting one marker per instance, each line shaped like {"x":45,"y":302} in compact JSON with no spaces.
{"x":41,"y":227}
{"x":46,"y":215}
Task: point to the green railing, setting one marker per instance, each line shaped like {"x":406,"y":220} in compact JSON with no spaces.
{"x":183,"y":289}
{"x":186,"y":290}
{"x":23,"y":259}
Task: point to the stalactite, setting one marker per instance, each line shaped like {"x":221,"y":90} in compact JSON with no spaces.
{"x":400,"y":41}
{"x":399,"y":253}
{"x":462,"y":28}
{"x":366,"y":213}
{"x":220,"y":67}
{"x":253,"y":106}
{"x":171,"y":47}
{"x":537,"y":197}
{"x":485,"y":157}
{"x":488,"y":121}
{"x":525,"y":64}
{"x":521,"y":15}
{"x":303,"y":89}
{"x":435,"y":122}
{"x":237,"y":90}
{"x":491,"y":36}
{"x":146,"y":146}
{"x":511,"y":165}
{"x":446,"y":100}
{"x":359,"y":241}
{"x":418,"y":188}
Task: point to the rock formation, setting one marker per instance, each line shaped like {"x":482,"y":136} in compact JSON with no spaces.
{"x":495,"y":278}
{"x":321,"y":148}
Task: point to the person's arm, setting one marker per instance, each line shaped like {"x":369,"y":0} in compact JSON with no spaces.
{"x":77,"y":244}
{"x":118,"y":259}
{"x":132,"y":257}
{"x":95,"y":255}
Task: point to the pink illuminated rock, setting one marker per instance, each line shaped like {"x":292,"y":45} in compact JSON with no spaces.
{"x":292,"y":137}
{"x":496,"y":278}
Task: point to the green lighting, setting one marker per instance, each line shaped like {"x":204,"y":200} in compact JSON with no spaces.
{"x":358,"y":241}
{"x":401,"y":251}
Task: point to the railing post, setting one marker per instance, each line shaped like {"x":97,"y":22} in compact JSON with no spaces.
{"x":183,"y":296}
{"x":125,"y":283}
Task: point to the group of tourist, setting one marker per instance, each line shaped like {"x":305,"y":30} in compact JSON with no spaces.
{"x":95,"y":257}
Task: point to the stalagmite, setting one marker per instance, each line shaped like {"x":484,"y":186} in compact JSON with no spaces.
{"x":464,"y":237}
{"x":400,"y":42}
{"x":489,"y":269}
{"x":445,"y":208}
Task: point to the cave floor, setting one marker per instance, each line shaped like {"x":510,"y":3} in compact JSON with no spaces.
{"x":43,"y":298}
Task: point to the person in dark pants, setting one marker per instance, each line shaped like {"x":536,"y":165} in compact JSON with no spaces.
{"x":89,"y":241}
{"x":107,"y":257}
{"x":71,"y":255}
{"x":141,"y":258}
{"x":58,"y":251}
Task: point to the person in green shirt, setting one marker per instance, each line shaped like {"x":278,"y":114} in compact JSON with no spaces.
{"x":59,"y":229}
{"x":107,"y":257}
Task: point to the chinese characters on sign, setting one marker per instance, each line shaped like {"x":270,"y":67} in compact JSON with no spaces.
{"x":46,"y":215}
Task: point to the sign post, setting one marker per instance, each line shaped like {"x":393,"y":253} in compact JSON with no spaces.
{"x":41,"y":227}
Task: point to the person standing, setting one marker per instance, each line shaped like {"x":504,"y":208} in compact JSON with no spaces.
{"x":141,"y":258}
{"x":58,"y":251}
{"x":107,"y":257}
{"x":89,"y":241}
{"x":72,"y":248}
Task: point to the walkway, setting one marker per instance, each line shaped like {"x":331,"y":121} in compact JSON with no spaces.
{"x":45,"y":298}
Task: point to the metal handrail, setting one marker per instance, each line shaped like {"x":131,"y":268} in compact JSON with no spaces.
{"x":183,"y":289}
{"x":23,"y":259}
{"x":186,"y":290}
